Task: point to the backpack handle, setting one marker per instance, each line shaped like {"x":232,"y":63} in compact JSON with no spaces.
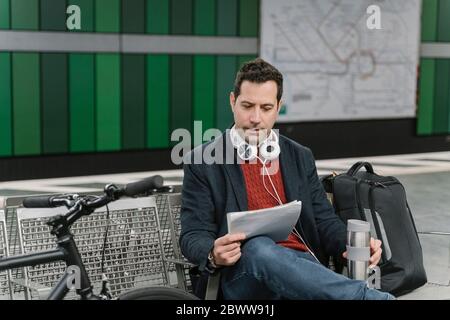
{"x":357,"y":166}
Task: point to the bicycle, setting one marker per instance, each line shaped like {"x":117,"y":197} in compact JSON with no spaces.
{"x":66,"y":249}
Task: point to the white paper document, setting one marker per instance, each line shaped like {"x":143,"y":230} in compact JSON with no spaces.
{"x":276,"y":223}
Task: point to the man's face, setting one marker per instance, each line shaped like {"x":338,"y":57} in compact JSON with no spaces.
{"x":256,"y":109}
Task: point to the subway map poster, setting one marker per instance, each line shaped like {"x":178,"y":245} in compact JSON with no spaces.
{"x":343,"y":60}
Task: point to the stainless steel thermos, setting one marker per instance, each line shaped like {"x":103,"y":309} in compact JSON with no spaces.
{"x":358,"y":248}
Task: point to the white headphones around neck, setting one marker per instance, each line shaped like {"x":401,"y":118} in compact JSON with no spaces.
{"x":269,"y":149}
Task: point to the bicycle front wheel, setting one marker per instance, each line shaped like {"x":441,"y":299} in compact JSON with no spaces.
{"x":157,"y":293}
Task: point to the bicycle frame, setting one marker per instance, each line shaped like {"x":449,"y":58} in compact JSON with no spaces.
{"x":66,"y":250}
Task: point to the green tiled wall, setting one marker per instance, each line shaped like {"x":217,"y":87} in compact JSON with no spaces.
{"x":433,"y":116}
{"x":88,"y":102}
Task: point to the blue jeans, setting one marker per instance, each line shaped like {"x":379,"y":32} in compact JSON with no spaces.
{"x":267,"y":270}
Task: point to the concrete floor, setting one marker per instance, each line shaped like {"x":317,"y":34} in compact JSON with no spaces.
{"x":429,"y":199}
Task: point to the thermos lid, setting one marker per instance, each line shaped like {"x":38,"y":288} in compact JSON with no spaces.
{"x":354,"y":225}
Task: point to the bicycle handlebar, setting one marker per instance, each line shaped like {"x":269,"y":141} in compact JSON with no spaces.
{"x":139,"y":187}
{"x":42,"y":202}
{"x":112,"y":193}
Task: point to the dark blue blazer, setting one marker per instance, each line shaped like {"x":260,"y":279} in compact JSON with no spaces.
{"x":212,"y":190}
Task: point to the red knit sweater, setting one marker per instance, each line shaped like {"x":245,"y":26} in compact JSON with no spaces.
{"x":259,"y":198}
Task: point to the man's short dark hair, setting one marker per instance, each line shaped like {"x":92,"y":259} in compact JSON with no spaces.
{"x":258,"y":71}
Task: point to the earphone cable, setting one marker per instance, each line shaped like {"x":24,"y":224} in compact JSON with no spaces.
{"x":301,"y":239}
{"x":278,"y":199}
{"x":294,"y":231}
{"x":271,"y":182}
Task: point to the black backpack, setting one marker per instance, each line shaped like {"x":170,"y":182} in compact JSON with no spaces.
{"x":364,"y":195}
